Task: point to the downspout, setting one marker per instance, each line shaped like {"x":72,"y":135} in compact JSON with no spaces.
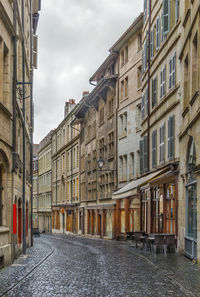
{"x":32,"y":121}
{"x":14,"y":115}
{"x":149,"y":85}
{"x":24,"y":136}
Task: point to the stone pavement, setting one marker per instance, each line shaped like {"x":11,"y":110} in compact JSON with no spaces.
{"x":63,"y":265}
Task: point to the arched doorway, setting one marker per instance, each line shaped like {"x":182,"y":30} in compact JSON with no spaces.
{"x":19,"y":231}
{"x":191,"y":203}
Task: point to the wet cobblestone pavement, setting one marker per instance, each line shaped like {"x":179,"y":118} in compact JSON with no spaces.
{"x":63,"y":265}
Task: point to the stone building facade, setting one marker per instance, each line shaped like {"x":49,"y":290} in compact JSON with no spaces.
{"x":65,"y":173}
{"x":189,"y":136}
{"x":16,"y":66}
{"x":98,"y":139}
{"x":44,"y":194}
{"x":129,"y":83}
{"x":35,"y":185}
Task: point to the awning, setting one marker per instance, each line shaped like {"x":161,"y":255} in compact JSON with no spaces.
{"x":131,"y":188}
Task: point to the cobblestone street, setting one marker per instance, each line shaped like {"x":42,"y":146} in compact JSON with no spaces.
{"x":63,"y":265}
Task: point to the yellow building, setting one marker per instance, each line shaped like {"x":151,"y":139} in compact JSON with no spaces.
{"x":189,"y":136}
{"x":44,"y":195}
{"x":65,"y":173}
{"x":17,"y":61}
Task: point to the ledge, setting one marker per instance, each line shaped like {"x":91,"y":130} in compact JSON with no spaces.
{"x":4,"y":230}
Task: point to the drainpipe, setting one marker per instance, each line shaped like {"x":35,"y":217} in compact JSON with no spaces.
{"x":32,"y":122}
{"x":149,"y":85}
{"x":14,"y":114}
{"x":24,"y":136}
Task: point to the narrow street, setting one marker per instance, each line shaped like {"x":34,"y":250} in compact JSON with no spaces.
{"x":63,"y":265}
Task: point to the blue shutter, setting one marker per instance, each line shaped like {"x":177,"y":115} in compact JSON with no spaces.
{"x":166,"y":16}
{"x":143,"y":98}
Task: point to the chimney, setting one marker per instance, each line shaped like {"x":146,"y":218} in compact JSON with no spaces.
{"x":69,"y":105}
{"x":85,"y":94}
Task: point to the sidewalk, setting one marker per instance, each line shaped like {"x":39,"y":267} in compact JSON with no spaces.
{"x":11,"y":275}
{"x":179,"y":269}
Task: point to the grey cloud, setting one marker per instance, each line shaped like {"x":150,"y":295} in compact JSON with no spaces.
{"x":74,"y":38}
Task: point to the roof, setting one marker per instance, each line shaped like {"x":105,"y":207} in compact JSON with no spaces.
{"x":135,"y":26}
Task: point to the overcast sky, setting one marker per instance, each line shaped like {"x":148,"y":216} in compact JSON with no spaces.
{"x":74,"y":39}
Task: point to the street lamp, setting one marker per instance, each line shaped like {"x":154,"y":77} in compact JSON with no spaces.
{"x":100,"y":163}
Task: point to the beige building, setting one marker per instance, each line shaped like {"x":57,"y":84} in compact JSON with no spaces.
{"x":129,"y":49}
{"x":189,"y":136}
{"x":44,"y":194}
{"x":65,"y":173}
{"x":16,"y":66}
{"x":97,"y":116}
{"x":35,"y":185}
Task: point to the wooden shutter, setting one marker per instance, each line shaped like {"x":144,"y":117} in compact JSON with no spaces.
{"x":143,"y":111}
{"x":157,"y":33}
{"x":141,"y":156}
{"x":164,"y":80}
{"x":145,"y":10}
{"x":151,"y":43}
{"x":145,"y":153}
{"x":162,"y":143}
{"x":174,"y":70}
{"x":166,"y":16}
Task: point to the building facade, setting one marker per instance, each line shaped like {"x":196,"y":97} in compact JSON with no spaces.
{"x":189,"y":136}
{"x":44,"y":195}
{"x":129,"y":83}
{"x":35,"y":186}
{"x":16,"y":68}
{"x":98,"y":139}
{"x":65,"y":173}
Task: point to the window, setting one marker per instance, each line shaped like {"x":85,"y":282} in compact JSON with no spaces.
{"x":139,"y":42}
{"x":177,"y":10}
{"x":163,"y":82}
{"x":154,"y":149}
{"x":145,"y":10}
{"x":124,"y":167}
{"x":194,"y":65}
{"x":144,"y":154}
{"x":162,"y":144}
{"x":154,"y":91}
{"x":111,"y":144}
{"x":157,"y":33}
{"x":122,"y":58}
{"x":126,"y":54}
{"x":123,"y":124}
{"x":145,"y":103}
{"x":101,"y":116}
{"x":139,"y":77}
{"x":152,"y":44}
{"x":131,"y":166}
{"x":172,"y":71}
{"x":186,"y":83}
{"x":110,"y":106}
{"x":126,"y":87}
{"x":122,"y":89}
{"x":171,"y":132}
{"x":101,"y":148}
{"x":143,"y":107}
{"x":120,"y":168}
{"x":166,"y":16}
